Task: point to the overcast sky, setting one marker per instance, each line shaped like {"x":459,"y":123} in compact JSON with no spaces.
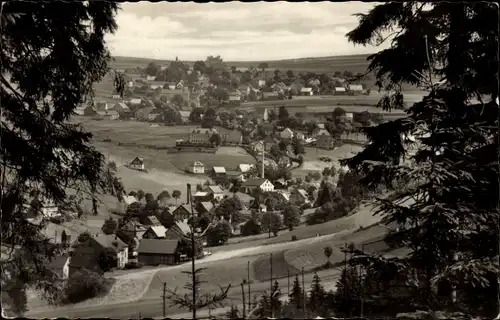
{"x":235,"y":30}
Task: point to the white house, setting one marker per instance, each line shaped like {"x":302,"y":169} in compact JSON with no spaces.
{"x":137,"y":163}
{"x":340,"y":90}
{"x":129,"y":200}
{"x":263,"y":184}
{"x":306,"y":92}
{"x":196,"y":167}
{"x":116,"y":97}
{"x":151,"y":78}
{"x":349,"y":116}
{"x":135,"y":101}
{"x":355,"y":87}
{"x":286,"y":134}
{"x":244,"y":167}
{"x":262,"y":83}
{"x":216,"y":191}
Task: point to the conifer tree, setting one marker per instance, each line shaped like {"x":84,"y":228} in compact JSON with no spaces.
{"x":297,"y":294}
{"x":316,"y":296}
{"x":446,"y":145}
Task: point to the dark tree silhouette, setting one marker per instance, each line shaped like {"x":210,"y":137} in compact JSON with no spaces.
{"x":47,"y":71}
{"x":451,"y":226}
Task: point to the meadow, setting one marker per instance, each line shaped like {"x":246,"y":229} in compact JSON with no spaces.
{"x":122,"y":141}
{"x":352,"y":63}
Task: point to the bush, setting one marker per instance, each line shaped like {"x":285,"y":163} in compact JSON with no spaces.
{"x":133,"y":265}
{"x":85,"y":284}
{"x":306,"y":206}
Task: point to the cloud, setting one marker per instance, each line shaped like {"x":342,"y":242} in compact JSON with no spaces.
{"x":235,"y":30}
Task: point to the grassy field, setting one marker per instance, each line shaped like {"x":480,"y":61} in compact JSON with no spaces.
{"x":352,"y":63}
{"x":122,"y":141}
{"x":312,"y":163}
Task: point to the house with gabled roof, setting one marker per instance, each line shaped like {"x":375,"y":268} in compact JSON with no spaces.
{"x":204,"y":207}
{"x":135,"y":101}
{"x":299,"y":197}
{"x":306,"y":92}
{"x":183,"y":212}
{"x":263,"y":184}
{"x":287,"y":134}
{"x":196,"y":167}
{"x":180,"y":230}
{"x":137,"y":163}
{"x":158,"y":251}
{"x":245,"y":167}
{"x":216,"y":192}
{"x":155,"y":232}
{"x":219,"y":171}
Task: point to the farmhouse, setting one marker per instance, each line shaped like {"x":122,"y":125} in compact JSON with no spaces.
{"x":180,"y":230}
{"x":202,"y":196}
{"x":135,"y":101}
{"x":86,"y":253}
{"x":204,"y":207}
{"x":216,"y":192}
{"x":306,"y":92}
{"x":325,"y":141}
{"x":151,"y":78}
{"x":120,"y":107}
{"x":196,"y":167}
{"x":263,"y":184}
{"x":340,"y":90}
{"x":299,"y":196}
{"x":149,"y":220}
{"x":137,"y":163}
{"x":286,"y":134}
{"x":355,"y":87}
{"x":200,"y":136}
{"x":182,"y":212}
{"x":219,"y":171}
{"x":155,"y":232}
{"x":244,"y":167}
{"x":244,"y":198}
{"x":155,"y":252}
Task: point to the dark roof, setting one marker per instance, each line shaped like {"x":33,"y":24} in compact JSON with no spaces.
{"x":254,"y":182}
{"x":243,"y":197}
{"x":58,"y":263}
{"x":158,"y":246}
{"x":110,"y":241}
{"x":83,"y":256}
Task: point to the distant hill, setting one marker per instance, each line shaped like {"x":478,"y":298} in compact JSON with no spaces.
{"x":352,"y":63}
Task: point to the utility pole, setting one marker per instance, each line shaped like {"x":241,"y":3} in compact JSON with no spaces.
{"x":271,"y":301}
{"x":288,"y":276}
{"x":248,"y":282}
{"x":243,"y":299}
{"x":163,"y":296}
{"x":193,"y":251}
{"x":362,"y":283}
{"x":304,"y":292}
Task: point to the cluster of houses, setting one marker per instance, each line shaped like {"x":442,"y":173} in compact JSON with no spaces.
{"x":148,"y":241}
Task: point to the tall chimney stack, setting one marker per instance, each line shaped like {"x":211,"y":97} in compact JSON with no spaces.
{"x":263,"y":157}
